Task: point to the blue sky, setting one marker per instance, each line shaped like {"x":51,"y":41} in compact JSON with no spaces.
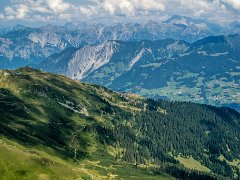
{"x":39,"y":12}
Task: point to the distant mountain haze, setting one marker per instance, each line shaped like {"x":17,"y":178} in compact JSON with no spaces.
{"x":21,"y":45}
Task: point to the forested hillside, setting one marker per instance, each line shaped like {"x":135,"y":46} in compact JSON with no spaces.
{"x":53,"y":124}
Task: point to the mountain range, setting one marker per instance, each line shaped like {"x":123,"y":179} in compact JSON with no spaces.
{"x":53,"y":127}
{"x":206,"y":71}
{"x":20,"y":45}
{"x":177,"y":59}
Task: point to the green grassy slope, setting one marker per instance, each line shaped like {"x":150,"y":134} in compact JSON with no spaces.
{"x":52,"y":127}
{"x":47,"y":129}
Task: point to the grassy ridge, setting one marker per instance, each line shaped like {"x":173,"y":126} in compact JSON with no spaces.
{"x":46,"y":128}
{"x":52,"y":127}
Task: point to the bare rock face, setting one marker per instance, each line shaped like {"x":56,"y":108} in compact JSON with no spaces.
{"x":90,"y":58}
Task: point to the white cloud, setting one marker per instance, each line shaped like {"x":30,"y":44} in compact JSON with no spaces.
{"x":39,"y":10}
{"x":2,"y":16}
{"x":120,"y":10}
{"x":234,"y":3}
{"x":118,"y":7}
{"x":129,"y":7}
{"x":22,"y":11}
{"x":46,"y":10}
{"x":58,"y":6}
{"x":150,"y":5}
{"x":48,"y":6}
{"x":11,"y":17}
{"x":8,"y":10}
{"x":87,"y":11}
{"x":17,"y":12}
{"x":212,"y":10}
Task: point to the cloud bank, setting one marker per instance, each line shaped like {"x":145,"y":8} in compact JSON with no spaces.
{"x":47,"y":11}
